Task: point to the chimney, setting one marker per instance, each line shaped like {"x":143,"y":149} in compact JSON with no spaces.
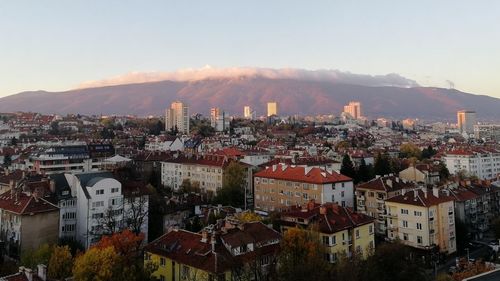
{"x":425,"y":192}
{"x":435,"y":192}
{"x":389,"y":182}
{"x":415,"y":193}
{"x":322,"y":210}
{"x":213,"y":241}
{"x":29,"y":274}
{"x":403,"y":191}
{"x":204,"y":236}
{"x":42,"y":272}
{"x":11,"y":185}
{"x":52,"y":185}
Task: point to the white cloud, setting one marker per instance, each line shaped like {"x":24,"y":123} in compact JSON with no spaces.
{"x":209,"y":72}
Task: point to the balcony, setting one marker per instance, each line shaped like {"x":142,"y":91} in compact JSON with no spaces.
{"x":392,"y":216}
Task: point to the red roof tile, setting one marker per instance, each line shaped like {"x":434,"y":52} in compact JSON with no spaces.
{"x":302,"y":174}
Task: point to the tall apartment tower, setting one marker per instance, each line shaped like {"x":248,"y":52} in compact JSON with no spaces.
{"x":466,"y":120}
{"x":272,"y":108}
{"x":177,"y":116}
{"x":354,"y":109}
{"x":214,"y":115}
{"x":247,"y":112}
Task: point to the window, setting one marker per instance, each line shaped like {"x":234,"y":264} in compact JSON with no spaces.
{"x":342,"y":194}
{"x":357,"y":233}
{"x":417,"y":213}
{"x":98,"y":216}
{"x":99,"y":192}
{"x":97,"y":204}
{"x":162,"y":261}
{"x":334,"y":240}
{"x":419,"y":239}
{"x":115,"y":189}
{"x":370,"y":229}
{"x":162,"y":278}
{"x":184,"y":272}
{"x":326,"y":240}
{"x":419,"y":226}
{"x":404,"y":211}
{"x":405,"y":223}
{"x":405,"y":236}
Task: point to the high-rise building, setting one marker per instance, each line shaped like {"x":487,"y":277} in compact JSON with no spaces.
{"x":466,"y":120}
{"x":177,"y":116}
{"x":247,"y":112}
{"x":354,"y":109}
{"x":218,"y":119}
{"x":272,"y":108}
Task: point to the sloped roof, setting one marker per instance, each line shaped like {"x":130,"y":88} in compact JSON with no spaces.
{"x":302,"y":174}
{"x":24,"y":204}
{"x":418,"y":197}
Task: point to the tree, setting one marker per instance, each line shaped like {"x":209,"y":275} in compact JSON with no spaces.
{"x":98,"y":265}
{"x":32,"y":258}
{"x":302,"y":257}
{"x":382,"y":165}
{"x":495,"y":225}
{"x":409,"y":150}
{"x":232,"y":191}
{"x":126,"y":244}
{"x":394,"y":262}
{"x":349,"y":268}
{"x":472,"y":269}
{"x":60,"y":263}
{"x":444,"y":173}
{"x":364,"y":173}
{"x":248,"y":217}
{"x":462,"y":234}
{"x":13,"y":141}
{"x":428,"y":152}
{"x":136,"y":213}
{"x":7,"y":160}
{"x":347,"y":167}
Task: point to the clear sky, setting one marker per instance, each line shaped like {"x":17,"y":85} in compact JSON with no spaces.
{"x":56,"y":45}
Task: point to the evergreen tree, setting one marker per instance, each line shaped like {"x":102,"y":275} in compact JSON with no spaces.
{"x":364,"y":173}
{"x":7,"y":160}
{"x":347,"y":167}
{"x":382,"y":165}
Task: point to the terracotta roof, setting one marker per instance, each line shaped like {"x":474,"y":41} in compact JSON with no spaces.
{"x":25,"y":204}
{"x":302,"y":174}
{"x":208,"y":160}
{"x":333,"y":219}
{"x":387,"y":184}
{"x":418,"y":197}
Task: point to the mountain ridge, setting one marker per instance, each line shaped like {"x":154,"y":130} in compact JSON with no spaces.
{"x":294,"y":96}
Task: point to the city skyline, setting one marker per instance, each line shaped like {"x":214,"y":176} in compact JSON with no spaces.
{"x":63,"y":50}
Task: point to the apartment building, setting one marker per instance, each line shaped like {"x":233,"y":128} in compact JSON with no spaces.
{"x":341,"y":230}
{"x":482,"y":162}
{"x":219,"y":253}
{"x":421,"y":173}
{"x":371,"y":196}
{"x":280,"y":186}
{"x":423,"y":219}
{"x":488,"y":132}
{"x":177,"y":117}
{"x":27,"y":221}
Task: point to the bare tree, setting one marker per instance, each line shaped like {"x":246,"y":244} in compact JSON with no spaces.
{"x":136,"y":211}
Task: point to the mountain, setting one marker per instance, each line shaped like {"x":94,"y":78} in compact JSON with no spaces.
{"x":294,"y":96}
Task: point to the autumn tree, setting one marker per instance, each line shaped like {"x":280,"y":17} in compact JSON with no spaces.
{"x":409,"y":150}
{"x":60,"y":263}
{"x":302,"y":257}
{"x":472,"y":269}
{"x":32,"y":258}
{"x":98,"y":265}
{"x":126,"y":243}
{"x":248,"y":217}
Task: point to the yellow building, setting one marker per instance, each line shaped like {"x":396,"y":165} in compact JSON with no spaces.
{"x":423,"y":219}
{"x":272,"y":108}
{"x":214,"y":254}
{"x":342,"y":231}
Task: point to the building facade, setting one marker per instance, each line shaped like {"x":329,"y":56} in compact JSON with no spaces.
{"x":272,"y":108}
{"x":466,"y":120}
{"x":177,"y":117}
{"x":353,"y":109}
{"x":280,"y":186}
{"x":481,"y":162}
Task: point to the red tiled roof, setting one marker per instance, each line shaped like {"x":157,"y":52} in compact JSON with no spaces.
{"x":384,"y":184}
{"x":25,"y":204}
{"x":417,"y":197}
{"x":300,"y":174}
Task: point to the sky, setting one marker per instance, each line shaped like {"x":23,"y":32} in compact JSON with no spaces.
{"x":57,"y":45}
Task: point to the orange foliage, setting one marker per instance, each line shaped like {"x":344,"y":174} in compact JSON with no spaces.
{"x":472,"y":270}
{"x":300,"y":242}
{"x":125,"y":243}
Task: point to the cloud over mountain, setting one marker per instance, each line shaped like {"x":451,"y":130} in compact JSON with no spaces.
{"x":208,"y":72}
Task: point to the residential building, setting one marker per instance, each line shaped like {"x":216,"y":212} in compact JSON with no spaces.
{"x":27,"y":221}
{"x":248,"y":113}
{"x":177,"y":117}
{"x":482,"y":162}
{"x":233,"y":251}
{"x":353,"y":109}
{"x":272,"y":108}
{"x":342,"y":230}
{"x":488,"y":132}
{"x":164,"y":143}
{"x":423,"y":219}
{"x":218,"y":119}
{"x":99,"y":205}
{"x":466,"y":120}
{"x":371,"y":196}
{"x":421,"y":173}
{"x":280,"y":186}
